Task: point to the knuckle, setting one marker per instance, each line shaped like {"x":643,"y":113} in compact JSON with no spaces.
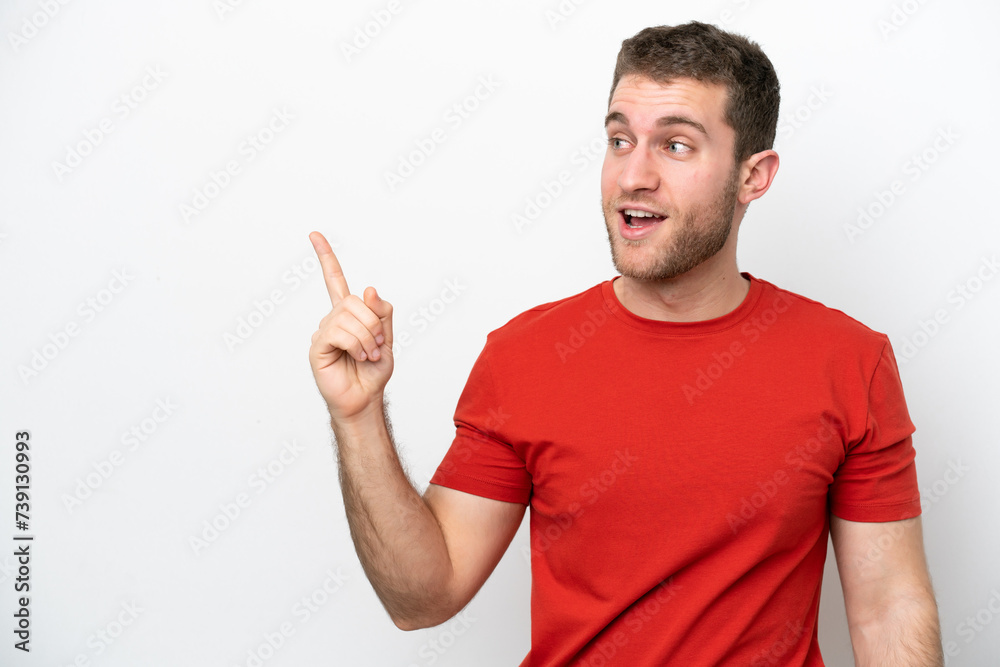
{"x":341,"y":319}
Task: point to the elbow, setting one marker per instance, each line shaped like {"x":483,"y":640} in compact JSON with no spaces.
{"x":408,"y":624}
{"x":433,"y":605}
{"x":424,"y":601}
{"x":425,"y":618}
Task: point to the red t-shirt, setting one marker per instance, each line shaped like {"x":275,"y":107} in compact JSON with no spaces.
{"x":680,"y":474}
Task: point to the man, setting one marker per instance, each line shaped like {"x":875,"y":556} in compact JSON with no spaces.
{"x":686,"y":435}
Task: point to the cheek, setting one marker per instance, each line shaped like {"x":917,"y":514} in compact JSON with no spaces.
{"x":698,"y":185}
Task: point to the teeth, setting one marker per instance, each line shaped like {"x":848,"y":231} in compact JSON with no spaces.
{"x":635,"y":213}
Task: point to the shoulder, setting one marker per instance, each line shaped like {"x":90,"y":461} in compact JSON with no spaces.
{"x":809,"y":317}
{"x":552,"y":317}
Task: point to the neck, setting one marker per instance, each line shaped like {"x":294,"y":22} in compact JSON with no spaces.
{"x":687,"y":298}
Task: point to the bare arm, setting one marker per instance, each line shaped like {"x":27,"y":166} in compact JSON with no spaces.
{"x":891,"y":611}
{"x":425,"y":557}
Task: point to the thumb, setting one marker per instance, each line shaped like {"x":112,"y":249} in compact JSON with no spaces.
{"x":372,"y":299}
{"x":382,"y":310}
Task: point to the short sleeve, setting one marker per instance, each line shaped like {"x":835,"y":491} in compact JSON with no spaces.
{"x":878,"y":479}
{"x":480,"y":460}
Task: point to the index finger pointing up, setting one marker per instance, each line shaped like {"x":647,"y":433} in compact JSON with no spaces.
{"x":336,"y":283}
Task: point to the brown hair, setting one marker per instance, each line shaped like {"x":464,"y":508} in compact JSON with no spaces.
{"x":704,"y":52}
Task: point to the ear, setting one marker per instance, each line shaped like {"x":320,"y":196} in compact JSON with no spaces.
{"x":756,"y":175}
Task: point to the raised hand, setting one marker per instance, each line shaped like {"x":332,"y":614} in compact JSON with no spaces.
{"x":351,"y":353}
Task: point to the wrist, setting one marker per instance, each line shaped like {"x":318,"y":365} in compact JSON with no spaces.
{"x":364,"y":421}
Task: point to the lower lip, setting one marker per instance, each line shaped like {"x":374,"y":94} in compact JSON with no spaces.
{"x":634,"y":233}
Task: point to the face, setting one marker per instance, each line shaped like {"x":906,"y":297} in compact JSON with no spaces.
{"x":670,"y":154}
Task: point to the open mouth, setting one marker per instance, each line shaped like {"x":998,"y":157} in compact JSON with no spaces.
{"x":637,"y":219}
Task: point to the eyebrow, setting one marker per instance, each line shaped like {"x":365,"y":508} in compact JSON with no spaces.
{"x":663,"y":121}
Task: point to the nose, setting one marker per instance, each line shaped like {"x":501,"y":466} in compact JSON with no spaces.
{"x":638,"y":171}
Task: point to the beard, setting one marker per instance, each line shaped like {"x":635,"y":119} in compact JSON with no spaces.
{"x":698,"y":234}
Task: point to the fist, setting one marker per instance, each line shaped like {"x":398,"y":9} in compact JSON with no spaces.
{"x":351,"y":352}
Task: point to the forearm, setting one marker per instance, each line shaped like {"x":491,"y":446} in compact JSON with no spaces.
{"x":905,"y":633}
{"x":398,"y":539}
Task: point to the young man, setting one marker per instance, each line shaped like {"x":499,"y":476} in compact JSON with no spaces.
{"x":686,"y":435}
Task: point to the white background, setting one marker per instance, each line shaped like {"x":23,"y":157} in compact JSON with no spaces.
{"x":860,"y":98}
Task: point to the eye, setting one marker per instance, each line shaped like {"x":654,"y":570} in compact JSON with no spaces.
{"x":684,"y":147}
{"x":615,"y":142}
